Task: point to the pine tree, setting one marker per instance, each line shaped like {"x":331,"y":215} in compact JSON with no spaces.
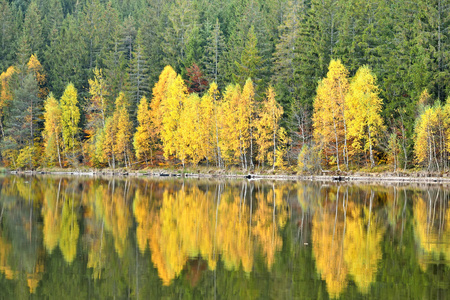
{"x":182,"y":17}
{"x":8,"y":31}
{"x":251,"y":63}
{"x":138,"y":72}
{"x":93,"y":26}
{"x":32,"y":29}
{"x":116,"y":74}
{"x":284,"y":67}
{"x":67,"y":55}
{"x":213,"y":59}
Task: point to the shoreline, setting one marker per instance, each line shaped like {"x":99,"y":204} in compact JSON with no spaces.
{"x":366,"y":178}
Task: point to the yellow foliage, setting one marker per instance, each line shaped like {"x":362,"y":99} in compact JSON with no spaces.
{"x":142,"y":138}
{"x":35,"y":66}
{"x":329,"y":111}
{"x":429,"y":235}
{"x":52,"y":218}
{"x":171,"y":112}
{"x":70,"y":231}
{"x":328,"y":249}
{"x":229,"y":132}
{"x":124,"y":128}
{"x":28,"y":157}
{"x":167,"y":76}
{"x":364,"y":107}
{"x":70,"y":117}
{"x":52,"y":130}
{"x":267,"y":126}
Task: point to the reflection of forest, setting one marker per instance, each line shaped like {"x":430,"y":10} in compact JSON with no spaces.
{"x":116,"y":232}
{"x":192,"y":222}
{"x":431,"y":227}
{"x":346,"y":236}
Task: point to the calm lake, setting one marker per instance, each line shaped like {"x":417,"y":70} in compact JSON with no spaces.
{"x":114,"y":238}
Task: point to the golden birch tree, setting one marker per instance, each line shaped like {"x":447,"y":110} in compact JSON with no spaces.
{"x":52,"y":130}
{"x":35,"y":66}
{"x":167,"y":76}
{"x":209,"y":124}
{"x":142,"y":138}
{"x":70,"y":117}
{"x":329,"y":118}
{"x":267,"y":126}
{"x":365,"y":123}
{"x":246,"y":111}
{"x":122,"y":146}
{"x":171,"y":111}
{"x":229,"y":133}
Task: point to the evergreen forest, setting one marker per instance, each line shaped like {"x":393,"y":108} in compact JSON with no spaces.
{"x":278,"y":84}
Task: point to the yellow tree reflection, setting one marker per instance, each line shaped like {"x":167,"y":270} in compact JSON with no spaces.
{"x":431,"y":227}
{"x":328,"y":230}
{"x":70,"y":230}
{"x":346,"y":239}
{"x":363,"y":245}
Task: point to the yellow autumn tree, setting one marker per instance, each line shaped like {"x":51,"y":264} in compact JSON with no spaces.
{"x":99,"y":105}
{"x":267,"y":126}
{"x":365,"y":123}
{"x":70,"y":117}
{"x":142,"y":140}
{"x":97,"y":111}
{"x":329,"y":117}
{"x":123,"y":145}
{"x":189,"y":131}
{"x":52,"y":130}
{"x":108,"y":145}
{"x":229,"y":132}
{"x":209,"y":124}
{"x":6,"y":95}
{"x":167,"y":76}
{"x":245,"y":111}
{"x":171,"y":108}
{"x":38,"y":70}
{"x":431,"y":132}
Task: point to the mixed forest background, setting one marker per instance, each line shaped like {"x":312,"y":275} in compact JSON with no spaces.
{"x":71,"y":68}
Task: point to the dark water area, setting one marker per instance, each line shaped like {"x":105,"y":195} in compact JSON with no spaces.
{"x":114,"y":238}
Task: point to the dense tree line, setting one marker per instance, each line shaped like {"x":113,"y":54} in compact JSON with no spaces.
{"x":109,"y":50}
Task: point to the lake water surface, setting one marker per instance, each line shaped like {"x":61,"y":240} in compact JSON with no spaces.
{"x":114,"y":238}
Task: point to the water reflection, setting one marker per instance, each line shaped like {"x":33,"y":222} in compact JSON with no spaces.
{"x":131,"y":238}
